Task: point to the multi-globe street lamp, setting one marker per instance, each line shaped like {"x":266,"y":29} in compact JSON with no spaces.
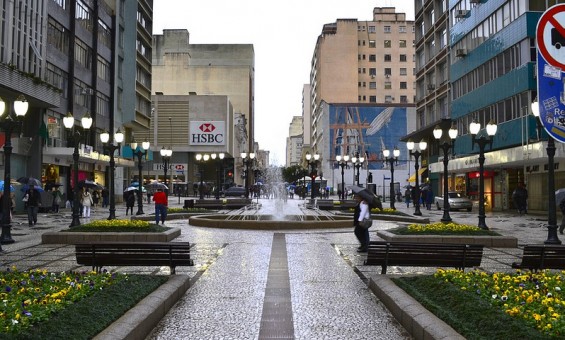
{"x":201,"y":159}
{"x":342,"y":162}
{"x":482,"y":142}
{"x":445,"y":146}
{"x":111,"y":149}
{"x":552,"y":237}
{"x":8,"y":125}
{"x":220,"y":159}
{"x":247,"y":161}
{"x":69,"y":122}
{"x":166,"y":158}
{"x":312,"y":162}
{"x":357,"y":164}
{"x":140,"y":155}
{"x":392,"y":161}
{"x":417,"y":153}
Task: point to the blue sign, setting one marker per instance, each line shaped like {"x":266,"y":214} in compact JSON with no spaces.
{"x":551,"y":98}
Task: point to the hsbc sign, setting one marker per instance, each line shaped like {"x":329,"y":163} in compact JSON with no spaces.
{"x":207,"y":133}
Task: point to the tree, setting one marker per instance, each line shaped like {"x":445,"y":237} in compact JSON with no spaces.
{"x":293,"y":173}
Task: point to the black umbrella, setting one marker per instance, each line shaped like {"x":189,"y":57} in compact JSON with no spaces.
{"x":90,"y":185}
{"x":367,"y":195}
{"x":155,"y":186}
{"x":29,"y":181}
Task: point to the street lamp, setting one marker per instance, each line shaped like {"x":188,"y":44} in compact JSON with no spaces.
{"x":8,"y":125}
{"x":342,"y":162}
{"x":69,"y":122}
{"x":140,"y":154}
{"x":392,"y":161}
{"x":552,"y":215}
{"x":312,"y":161}
{"x":201,"y":159}
{"x":247,"y":161}
{"x":445,"y":146}
{"x":166,"y":157}
{"x":111,"y":149}
{"x":357,"y":164}
{"x":219,"y":169}
{"x":482,"y":142}
{"x":417,"y":153}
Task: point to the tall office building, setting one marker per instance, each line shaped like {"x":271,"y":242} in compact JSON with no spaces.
{"x":294,"y":141}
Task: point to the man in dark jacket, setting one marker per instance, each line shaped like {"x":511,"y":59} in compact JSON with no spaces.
{"x":32,"y":205}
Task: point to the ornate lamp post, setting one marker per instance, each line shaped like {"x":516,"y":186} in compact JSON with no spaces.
{"x":140,"y":155}
{"x":166,"y":157}
{"x":312,"y":161}
{"x":247,"y":161}
{"x":201,"y":159}
{"x":220,"y":158}
{"x":69,"y":122}
{"x":8,"y":125}
{"x":357,"y":163}
{"x":482,"y":142}
{"x":342,"y":162}
{"x":445,"y":146}
{"x":552,"y":237}
{"x":417,"y":153}
{"x":111,"y":149}
{"x":392,"y":161}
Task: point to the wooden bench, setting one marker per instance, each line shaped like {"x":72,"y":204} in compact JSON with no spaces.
{"x":459,"y":256}
{"x":101,"y":254}
{"x":541,"y":256}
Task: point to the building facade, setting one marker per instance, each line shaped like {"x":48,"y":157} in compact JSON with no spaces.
{"x":294,"y":141}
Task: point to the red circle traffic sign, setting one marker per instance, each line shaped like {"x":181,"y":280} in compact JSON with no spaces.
{"x":550,"y":36}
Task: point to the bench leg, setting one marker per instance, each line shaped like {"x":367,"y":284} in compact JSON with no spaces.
{"x":383,"y":269}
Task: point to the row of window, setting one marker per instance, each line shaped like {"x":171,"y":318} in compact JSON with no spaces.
{"x":491,"y":25}
{"x":83,"y":54}
{"x":143,"y":49}
{"x":58,"y":36}
{"x":428,"y":115}
{"x":387,"y":71}
{"x":387,"y":85}
{"x":387,"y":99}
{"x":387,"y":57}
{"x":386,"y":29}
{"x":386,"y":43}
{"x":501,"y":64}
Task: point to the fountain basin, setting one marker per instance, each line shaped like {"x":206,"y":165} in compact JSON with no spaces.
{"x":271,"y":222}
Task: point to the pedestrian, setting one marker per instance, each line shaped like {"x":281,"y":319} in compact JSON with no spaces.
{"x":562,"y":207}
{"x":105,"y":197}
{"x":130,"y":201}
{"x":407,"y":195}
{"x":95,"y":198}
{"x":361,"y":211}
{"x":161,"y":203}
{"x":86,"y":201}
{"x":32,"y":199}
{"x":429,"y":199}
{"x":57,"y":199}
{"x":520,"y":198}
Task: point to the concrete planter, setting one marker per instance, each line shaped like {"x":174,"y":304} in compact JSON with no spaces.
{"x":71,"y":237}
{"x":487,"y":241}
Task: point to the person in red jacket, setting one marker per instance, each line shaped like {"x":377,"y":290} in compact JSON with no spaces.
{"x":161,"y":202}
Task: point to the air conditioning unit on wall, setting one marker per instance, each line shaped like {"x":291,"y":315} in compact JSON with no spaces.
{"x":462,"y":13}
{"x":460,"y":52}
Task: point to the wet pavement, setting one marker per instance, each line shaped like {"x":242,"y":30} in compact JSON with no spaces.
{"x":326,"y":282}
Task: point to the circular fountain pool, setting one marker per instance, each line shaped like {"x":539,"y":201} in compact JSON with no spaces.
{"x":270,"y":222}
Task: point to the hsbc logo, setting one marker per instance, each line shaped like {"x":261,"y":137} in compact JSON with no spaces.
{"x":207,"y":127}
{"x":207,"y":133}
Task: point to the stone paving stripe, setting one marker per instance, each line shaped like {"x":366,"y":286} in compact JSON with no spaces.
{"x":276,"y":319}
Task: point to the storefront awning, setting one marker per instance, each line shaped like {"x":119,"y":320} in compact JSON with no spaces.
{"x":413,"y":177}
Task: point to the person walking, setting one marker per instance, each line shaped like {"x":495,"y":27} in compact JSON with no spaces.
{"x":86,"y":201}
{"x":95,"y":198}
{"x":32,"y":199}
{"x":161,"y":202}
{"x":562,"y":208}
{"x":407,"y":196}
{"x":130,"y":201}
{"x":520,"y":198}
{"x":361,"y":211}
{"x":429,"y":199}
{"x":105,"y":197}
{"x":57,"y":199}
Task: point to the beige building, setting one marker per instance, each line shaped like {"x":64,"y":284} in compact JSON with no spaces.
{"x":365,"y":62}
{"x":294,"y":141}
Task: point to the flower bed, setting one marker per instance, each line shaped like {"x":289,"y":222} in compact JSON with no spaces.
{"x":440,"y":228}
{"x":134,"y":226}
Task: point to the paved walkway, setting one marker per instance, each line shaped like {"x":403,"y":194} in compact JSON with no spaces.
{"x":232,"y":295}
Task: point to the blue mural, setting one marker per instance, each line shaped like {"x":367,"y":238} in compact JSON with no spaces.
{"x":368,"y":131}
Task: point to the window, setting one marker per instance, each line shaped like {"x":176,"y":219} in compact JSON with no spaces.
{"x":403,"y":99}
{"x":402,"y":29}
{"x":403,"y":85}
{"x":403,"y":57}
{"x":58,"y":36}
{"x":387,"y":29}
{"x":373,"y":85}
{"x":103,"y":69}
{"x":388,"y":58}
{"x":372,"y":71}
{"x":402,"y":43}
{"x":388,"y":44}
{"x":372,"y":57}
{"x":403,"y":71}
{"x":388,"y":72}
{"x":372,"y":99}
{"x":83,"y":54}
{"x":388,"y":99}
{"x":388,"y":85}
{"x":372,"y":29}
{"x":372,"y":44}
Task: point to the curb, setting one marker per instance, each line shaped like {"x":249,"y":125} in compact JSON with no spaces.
{"x":73,"y":237}
{"x":487,"y":241}
{"x":139,"y":322}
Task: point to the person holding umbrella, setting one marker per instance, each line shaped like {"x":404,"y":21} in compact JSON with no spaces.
{"x":32,"y":199}
{"x":161,"y":202}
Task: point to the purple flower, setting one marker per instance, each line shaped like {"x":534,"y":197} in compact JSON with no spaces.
{"x":26,"y":313}
{"x":8,"y":289}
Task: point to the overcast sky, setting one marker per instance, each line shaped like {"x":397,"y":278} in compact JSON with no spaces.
{"x":283,"y":35}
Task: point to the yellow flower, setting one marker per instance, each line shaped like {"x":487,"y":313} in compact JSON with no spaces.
{"x":537,"y":317}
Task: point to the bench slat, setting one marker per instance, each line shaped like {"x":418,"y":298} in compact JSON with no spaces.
{"x":537,"y":257}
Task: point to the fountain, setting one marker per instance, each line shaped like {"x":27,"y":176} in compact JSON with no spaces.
{"x":277,"y":215}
